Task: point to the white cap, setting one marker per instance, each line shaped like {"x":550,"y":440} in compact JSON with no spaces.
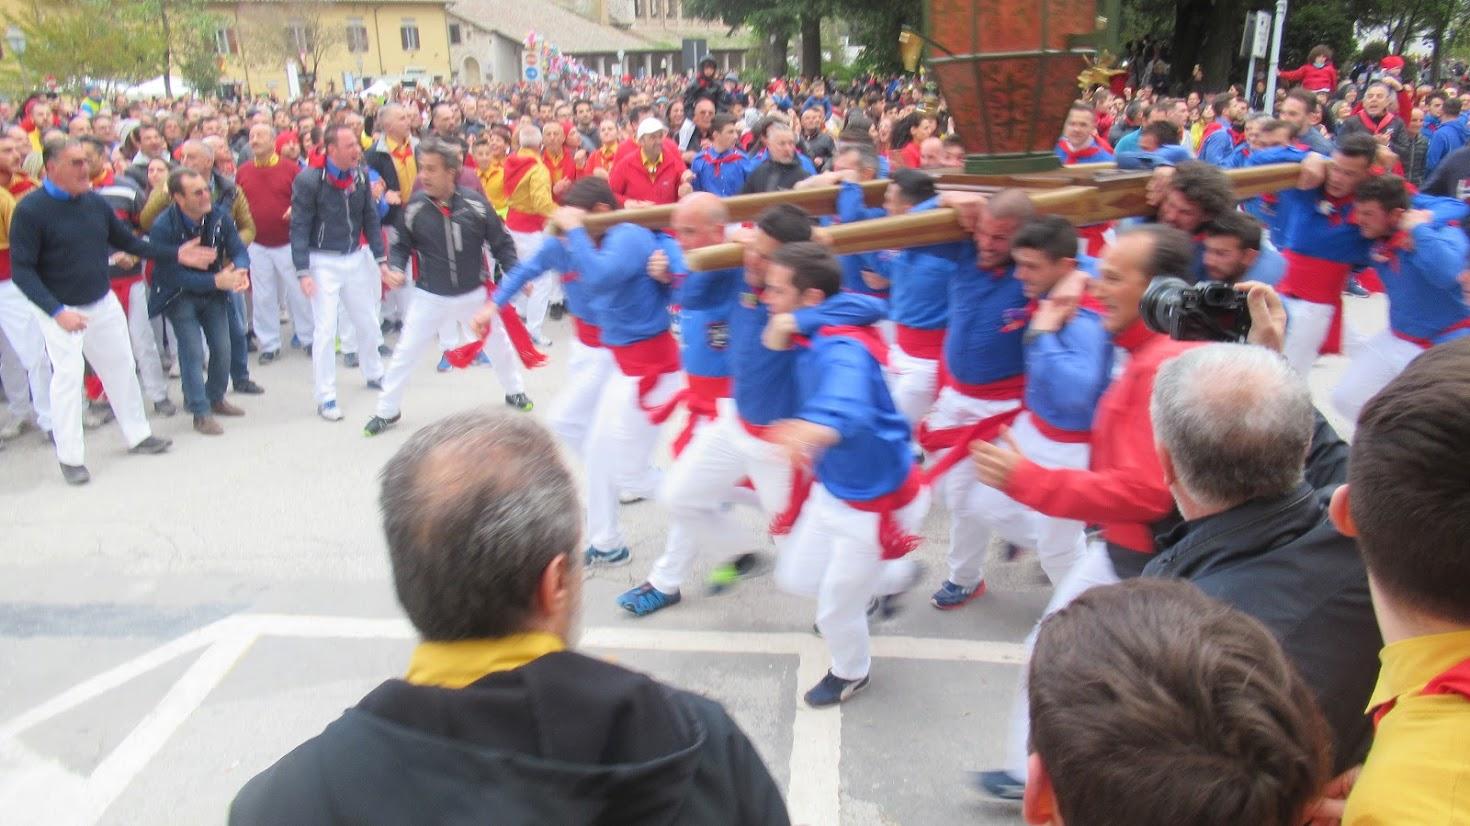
{"x":651,"y":125}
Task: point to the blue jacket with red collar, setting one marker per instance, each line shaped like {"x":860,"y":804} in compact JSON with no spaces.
{"x":842,"y":387}
{"x":1067,"y":371}
{"x":850,"y":209}
{"x":705,"y":301}
{"x":987,"y":321}
{"x":1425,"y":301}
{"x":919,"y":278}
{"x":1093,"y":152}
{"x":722,"y":173}
{"x":552,"y":255}
{"x":626,"y":304}
{"x":1218,"y":145}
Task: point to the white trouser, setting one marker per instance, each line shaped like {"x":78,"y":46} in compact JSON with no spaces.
{"x":23,"y":332}
{"x":911,"y":381}
{"x":834,"y":556}
{"x":272,"y":276}
{"x":1376,"y":360}
{"x":1307,"y":323}
{"x":1093,"y":568}
{"x":699,"y":488}
{"x":104,"y":344}
{"x":533,"y":307}
{"x":145,"y":346}
{"x":588,"y":369}
{"x":351,"y":282}
{"x":428,"y":312}
{"x":619,"y":449}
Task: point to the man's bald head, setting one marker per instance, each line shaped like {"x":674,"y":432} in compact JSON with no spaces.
{"x":699,"y":220}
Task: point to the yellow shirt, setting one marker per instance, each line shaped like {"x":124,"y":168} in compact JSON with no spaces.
{"x":492,"y":178}
{"x":651,"y":164}
{"x":532,"y":194}
{"x":7,"y":209}
{"x":407,"y":168}
{"x":457,"y":664}
{"x":1418,"y":771}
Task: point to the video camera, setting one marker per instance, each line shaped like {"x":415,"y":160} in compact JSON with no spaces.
{"x":1208,"y":311}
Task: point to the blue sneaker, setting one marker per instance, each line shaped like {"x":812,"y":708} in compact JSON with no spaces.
{"x":1000,"y":785}
{"x":482,"y":359}
{"x":833,"y":690}
{"x":444,"y":365}
{"x":607,"y":559}
{"x":329,"y":411}
{"x":295,"y":342}
{"x":1356,"y":288}
{"x":951,"y":596}
{"x":645,"y":599}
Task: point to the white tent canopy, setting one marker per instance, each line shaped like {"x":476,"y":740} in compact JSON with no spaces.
{"x":154,"y":87}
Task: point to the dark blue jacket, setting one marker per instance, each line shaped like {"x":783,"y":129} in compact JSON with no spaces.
{"x":171,"y":279}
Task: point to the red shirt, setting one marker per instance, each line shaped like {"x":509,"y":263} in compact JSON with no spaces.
{"x":1123,"y":488}
{"x":268,"y":194}
{"x":630,"y":178}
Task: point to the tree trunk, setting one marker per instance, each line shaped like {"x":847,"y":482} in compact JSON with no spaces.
{"x":777,"y":53}
{"x":168,"y":50}
{"x":811,"y":44}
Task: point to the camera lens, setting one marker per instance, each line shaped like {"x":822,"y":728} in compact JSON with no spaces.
{"x":1161,"y":304}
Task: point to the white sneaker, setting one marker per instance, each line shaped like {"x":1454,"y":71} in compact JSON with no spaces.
{"x":13,"y":428}
{"x":329,"y":411}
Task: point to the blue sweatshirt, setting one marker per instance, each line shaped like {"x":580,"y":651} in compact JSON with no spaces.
{"x":986,"y":323}
{"x":723,"y":179}
{"x":1424,"y":295}
{"x":1447,"y":138}
{"x":842,"y":387}
{"x":851,"y":209}
{"x":1067,"y":371}
{"x":552,"y":255}
{"x":919,"y":278}
{"x":705,"y":301}
{"x":1218,"y":148}
{"x":629,"y":306}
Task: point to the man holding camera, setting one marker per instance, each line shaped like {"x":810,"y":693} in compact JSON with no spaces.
{"x":197,"y":301}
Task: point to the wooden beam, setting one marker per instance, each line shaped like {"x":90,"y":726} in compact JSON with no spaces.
{"x":1119,"y":195}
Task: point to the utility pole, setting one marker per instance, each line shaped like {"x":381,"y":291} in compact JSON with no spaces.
{"x":168,"y":50}
{"x":1270,"y":101}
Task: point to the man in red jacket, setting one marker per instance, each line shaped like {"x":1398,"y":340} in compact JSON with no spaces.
{"x":266,"y":181}
{"x":652,"y":175}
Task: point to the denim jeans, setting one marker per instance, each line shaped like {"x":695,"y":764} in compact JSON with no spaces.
{"x":197,"y":320}
{"x":239,"y":348}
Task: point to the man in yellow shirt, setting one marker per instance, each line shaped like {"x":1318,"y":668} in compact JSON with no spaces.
{"x":1405,"y":501}
{"x":528,"y":205}
{"x":393,"y":157}
{"x":490,"y":150}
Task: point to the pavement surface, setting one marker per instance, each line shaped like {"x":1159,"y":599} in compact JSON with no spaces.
{"x":180,"y":623}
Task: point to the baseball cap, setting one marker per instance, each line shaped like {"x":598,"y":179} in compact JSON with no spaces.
{"x":1392,"y":61}
{"x":651,"y":125}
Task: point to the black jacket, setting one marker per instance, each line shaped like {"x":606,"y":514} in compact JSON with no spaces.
{"x":772,"y":176}
{"x":1399,"y":140}
{"x":566,"y":740}
{"x":1283,"y":562}
{"x":380,"y":161}
{"x":451,"y":249}
{"x":328,"y":219}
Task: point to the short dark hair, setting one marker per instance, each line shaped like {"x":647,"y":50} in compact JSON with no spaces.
{"x":1172,"y":253}
{"x":1150,"y":678}
{"x":915,"y":186}
{"x":1051,"y":235}
{"x":1305,"y":98}
{"x":50,"y":149}
{"x":1452,"y":106}
{"x":332,"y":133}
{"x":1358,"y":145}
{"x":812,"y":266}
{"x":588,"y":192}
{"x":720,"y":121}
{"x":1236,"y":224}
{"x":95,"y":143}
{"x":1387,"y":190}
{"x":1221,"y":102}
{"x":787,"y":223}
{"x":1206,"y":186}
{"x":1166,"y":133}
{"x":475,"y":506}
{"x":1410,"y":482}
{"x":177,"y":179}
{"x":450,"y":153}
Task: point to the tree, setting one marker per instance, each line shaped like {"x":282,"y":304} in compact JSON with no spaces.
{"x":774,"y":21}
{"x":81,"y":41}
{"x":295,"y":31}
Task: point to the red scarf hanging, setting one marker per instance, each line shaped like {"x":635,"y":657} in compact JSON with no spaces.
{"x":1078,"y":156}
{"x":1375,"y":128}
{"x":520,"y":339}
{"x":403,"y":152}
{"x":729,"y":157}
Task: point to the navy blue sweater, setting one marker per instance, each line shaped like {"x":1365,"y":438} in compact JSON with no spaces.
{"x":59,"y":249}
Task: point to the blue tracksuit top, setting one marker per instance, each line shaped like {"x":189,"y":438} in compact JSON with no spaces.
{"x":841,"y":386}
{"x":851,"y":209}
{"x":705,"y":301}
{"x":987,"y":321}
{"x":763,"y":380}
{"x":724,"y":179}
{"x":628,"y":306}
{"x":1067,"y":371}
{"x":1218,"y":148}
{"x":1447,"y":138}
{"x":1424,"y":295}
{"x":1270,"y":265}
{"x":919,"y":278}
{"x":552,"y":255}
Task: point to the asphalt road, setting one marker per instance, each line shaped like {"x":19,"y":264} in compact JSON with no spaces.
{"x":181,"y":622}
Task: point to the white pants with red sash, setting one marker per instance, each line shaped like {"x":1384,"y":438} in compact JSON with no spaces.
{"x":427,"y":314}
{"x":835,"y":555}
{"x":911,"y":372}
{"x":698,"y":490}
{"x":534,"y":306}
{"x":624,"y":434}
{"x":1307,"y":325}
{"x":1376,"y":360}
{"x":28,"y":387}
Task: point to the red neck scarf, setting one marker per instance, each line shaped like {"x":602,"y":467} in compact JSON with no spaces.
{"x":402,"y":152}
{"x":715,"y":161}
{"x":1375,"y":128}
{"x":1071,"y":157}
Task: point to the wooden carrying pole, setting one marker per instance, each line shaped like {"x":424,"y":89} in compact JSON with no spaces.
{"x":1106,"y":199}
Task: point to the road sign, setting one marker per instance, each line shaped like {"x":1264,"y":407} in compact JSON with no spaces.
{"x":532,"y":73}
{"x":1261,"y":43}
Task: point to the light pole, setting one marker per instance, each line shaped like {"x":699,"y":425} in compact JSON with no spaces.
{"x":1270,"y":102}
{"x":16,"y":40}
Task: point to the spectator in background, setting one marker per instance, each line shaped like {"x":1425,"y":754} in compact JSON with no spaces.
{"x":815,"y":142}
{"x":781,"y":169}
{"x":1453,"y":133}
{"x":1415,"y":160}
{"x":720,"y":168}
{"x":1318,"y":74}
{"x":489,"y":571}
{"x":1129,"y":727}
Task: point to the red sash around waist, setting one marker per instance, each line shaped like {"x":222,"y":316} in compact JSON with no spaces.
{"x":1426,"y":343}
{"x":1057,"y":434}
{"x":1313,"y":279}
{"x":587,"y":333}
{"x":893,"y":540}
{"x":921,"y":344}
{"x":649,"y":360}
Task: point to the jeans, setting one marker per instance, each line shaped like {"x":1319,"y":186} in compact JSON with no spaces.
{"x":239,"y":349}
{"x":209,"y":315}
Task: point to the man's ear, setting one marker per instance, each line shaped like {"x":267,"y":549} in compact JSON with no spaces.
{"x":1039,"y":802}
{"x":1166,"y":463}
{"x":1340,"y":509}
{"x":556,"y":590}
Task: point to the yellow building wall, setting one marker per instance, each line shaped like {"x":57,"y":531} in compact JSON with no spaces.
{"x":385,"y":56}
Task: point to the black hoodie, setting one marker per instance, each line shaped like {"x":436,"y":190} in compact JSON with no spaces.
{"x":563,"y":740}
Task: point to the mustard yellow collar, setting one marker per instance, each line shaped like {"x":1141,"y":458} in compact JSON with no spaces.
{"x":457,"y":664}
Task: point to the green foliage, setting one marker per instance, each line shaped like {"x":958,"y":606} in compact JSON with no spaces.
{"x":1314,"y":22}
{"x":76,"y":41}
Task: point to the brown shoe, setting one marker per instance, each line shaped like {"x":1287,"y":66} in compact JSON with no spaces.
{"x":208,"y":425}
{"x":224,"y":408}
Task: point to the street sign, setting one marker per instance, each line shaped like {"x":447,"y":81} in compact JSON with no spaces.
{"x":530,"y":65}
{"x":532,"y":73}
{"x":1261,"y":42}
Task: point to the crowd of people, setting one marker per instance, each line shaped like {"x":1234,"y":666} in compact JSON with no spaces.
{"x":1226,"y":571}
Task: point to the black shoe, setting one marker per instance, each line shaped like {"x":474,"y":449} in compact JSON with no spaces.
{"x":386,"y":327}
{"x":151,"y":445}
{"x":249,"y":388}
{"x":269,"y":356}
{"x":349,"y":360}
{"x":378,"y":424}
{"x":75,"y":474}
{"x":165,"y":408}
{"x":521,"y":402}
{"x":307,"y":348}
{"x":251,"y":345}
{"x":557,"y":311}
{"x":398,"y":326}
{"x":384,"y":350}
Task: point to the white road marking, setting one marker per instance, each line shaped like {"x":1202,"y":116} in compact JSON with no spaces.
{"x":814,"y":794}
